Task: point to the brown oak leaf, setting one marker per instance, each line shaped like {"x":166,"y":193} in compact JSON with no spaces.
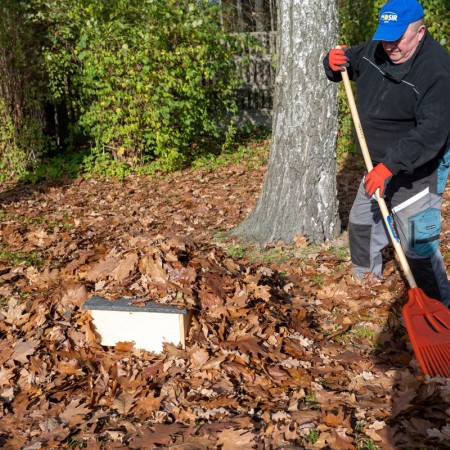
{"x":124,"y":403}
{"x":74,"y":412}
{"x":23,"y":349}
{"x":231,"y":439}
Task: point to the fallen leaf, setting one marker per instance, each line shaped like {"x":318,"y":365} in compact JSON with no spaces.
{"x":24,"y":349}
{"x":300,"y":241}
{"x":74,"y":413}
{"x":125,"y":267}
{"x":231,"y":439}
{"x":124,"y":403}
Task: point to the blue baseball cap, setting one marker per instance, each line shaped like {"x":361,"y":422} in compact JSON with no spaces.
{"x":395,"y":16}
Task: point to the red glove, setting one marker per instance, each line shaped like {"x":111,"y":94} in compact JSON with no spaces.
{"x":377,"y":178}
{"x":337,"y":58}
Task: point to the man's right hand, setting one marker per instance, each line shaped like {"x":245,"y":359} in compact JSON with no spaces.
{"x":337,"y":58}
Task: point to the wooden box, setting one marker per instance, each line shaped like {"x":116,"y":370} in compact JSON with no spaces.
{"x":147,"y":326}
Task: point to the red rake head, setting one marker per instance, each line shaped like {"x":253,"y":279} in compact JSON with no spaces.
{"x":428,"y":324}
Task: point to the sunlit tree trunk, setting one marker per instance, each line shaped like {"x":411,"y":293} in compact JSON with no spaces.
{"x":299,"y":191}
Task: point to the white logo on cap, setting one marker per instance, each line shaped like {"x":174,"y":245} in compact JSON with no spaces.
{"x":389,"y":17}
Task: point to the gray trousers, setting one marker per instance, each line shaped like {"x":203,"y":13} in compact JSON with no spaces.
{"x":415,"y":205}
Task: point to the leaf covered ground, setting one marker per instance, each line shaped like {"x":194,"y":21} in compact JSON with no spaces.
{"x":285,"y":350}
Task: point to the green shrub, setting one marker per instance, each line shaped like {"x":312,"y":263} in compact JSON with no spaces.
{"x":146,"y":79}
{"x":22,"y":98}
{"x":437,"y":19}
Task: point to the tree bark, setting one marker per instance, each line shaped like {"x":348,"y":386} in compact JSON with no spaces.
{"x":299,"y":191}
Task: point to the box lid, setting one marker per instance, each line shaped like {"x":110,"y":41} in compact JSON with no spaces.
{"x":126,"y":304}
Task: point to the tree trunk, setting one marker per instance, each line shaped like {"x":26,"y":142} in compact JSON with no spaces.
{"x":272,"y":8}
{"x":259,"y":16}
{"x":299,"y":192}
{"x":240,"y":15}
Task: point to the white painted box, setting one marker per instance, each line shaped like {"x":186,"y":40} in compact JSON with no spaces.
{"x":148,"y":326}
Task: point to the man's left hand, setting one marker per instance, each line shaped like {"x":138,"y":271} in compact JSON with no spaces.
{"x":377,"y":178}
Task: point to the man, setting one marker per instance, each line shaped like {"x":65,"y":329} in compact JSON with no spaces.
{"x":403,"y":96}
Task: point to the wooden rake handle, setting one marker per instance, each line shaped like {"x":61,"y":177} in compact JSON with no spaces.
{"x":382,"y":204}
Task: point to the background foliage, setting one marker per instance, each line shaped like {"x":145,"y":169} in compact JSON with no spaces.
{"x":136,"y":82}
{"x":152,"y":78}
{"x":22,"y":116}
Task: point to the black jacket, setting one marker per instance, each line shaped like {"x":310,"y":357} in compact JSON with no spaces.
{"x":405,"y":108}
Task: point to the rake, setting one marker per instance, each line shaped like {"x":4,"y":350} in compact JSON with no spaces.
{"x":427,"y":320}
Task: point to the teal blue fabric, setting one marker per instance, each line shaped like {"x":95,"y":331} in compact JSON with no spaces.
{"x":424,"y":229}
{"x":442,"y":173}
